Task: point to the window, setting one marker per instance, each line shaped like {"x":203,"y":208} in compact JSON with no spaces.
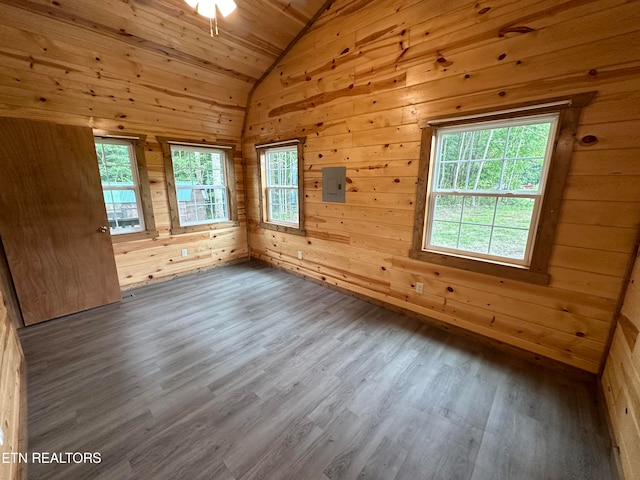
{"x":487,"y":187}
{"x":485,"y":202}
{"x":202,"y":185}
{"x":127,"y":198}
{"x":281,"y":201}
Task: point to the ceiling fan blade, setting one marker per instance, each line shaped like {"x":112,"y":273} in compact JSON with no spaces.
{"x":226,"y":6}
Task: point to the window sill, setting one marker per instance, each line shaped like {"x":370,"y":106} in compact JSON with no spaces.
{"x":487,"y":268}
{"x":284,"y":228}
{"x":131,"y":237}
{"x":204,"y":227}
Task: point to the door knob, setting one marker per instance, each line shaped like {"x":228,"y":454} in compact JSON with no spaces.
{"x":103,"y":229}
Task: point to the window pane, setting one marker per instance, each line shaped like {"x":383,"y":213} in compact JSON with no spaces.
{"x":448,"y":207}
{"x":218,"y":170}
{"x":486,"y":225}
{"x":187,"y":205}
{"x":182,"y":167}
{"x":493,"y":159}
{"x":522,"y":174}
{"x":485,"y":175}
{"x":445,"y":234}
{"x":446,"y":175}
{"x":528,"y":141}
{"x":509,"y":242}
{"x":115,"y":164}
{"x":514,"y":212}
{"x":282,"y":167}
{"x":102,"y":163}
{"x":490,"y":143}
{"x":203,"y":168}
{"x":202,"y":205}
{"x":283,"y":205}
{"x":217,"y":205}
{"x":474,"y":238}
{"x":122,"y":209}
{"x":479,"y":210}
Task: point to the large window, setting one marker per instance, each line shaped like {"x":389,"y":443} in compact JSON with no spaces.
{"x":281,"y":186}
{"x":485,"y":201}
{"x":202,"y":185}
{"x":126,"y":197}
{"x":487,"y":186}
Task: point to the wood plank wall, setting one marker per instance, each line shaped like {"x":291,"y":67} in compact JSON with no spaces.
{"x":356,"y":85}
{"x":12,"y":395}
{"x":56,"y":71}
{"x":621,"y":380}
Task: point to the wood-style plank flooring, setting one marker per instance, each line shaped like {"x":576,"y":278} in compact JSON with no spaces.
{"x":247,"y":373}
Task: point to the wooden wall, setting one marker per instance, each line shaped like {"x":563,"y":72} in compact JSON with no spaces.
{"x":356,"y":85}
{"x":12,"y":394}
{"x":621,"y":380}
{"x":58,"y":68}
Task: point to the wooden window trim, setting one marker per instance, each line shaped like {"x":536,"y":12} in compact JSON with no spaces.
{"x":569,"y":109}
{"x":261,"y":149}
{"x":138,"y":142}
{"x":230,"y":173}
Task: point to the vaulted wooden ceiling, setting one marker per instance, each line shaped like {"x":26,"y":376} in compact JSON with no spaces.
{"x":157,"y":54}
{"x":251,"y":37}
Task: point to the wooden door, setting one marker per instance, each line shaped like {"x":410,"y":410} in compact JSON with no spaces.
{"x":51,"y":211}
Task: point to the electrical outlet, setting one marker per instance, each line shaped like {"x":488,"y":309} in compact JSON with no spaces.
{"x":299,"y":254}
{"x":185,"y":252}
{"x":419,"y":287}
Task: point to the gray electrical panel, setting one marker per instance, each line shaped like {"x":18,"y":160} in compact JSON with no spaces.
{"x":334,"y":180}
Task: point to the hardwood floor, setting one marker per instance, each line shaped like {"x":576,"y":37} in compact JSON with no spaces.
{"x":247,"y":373}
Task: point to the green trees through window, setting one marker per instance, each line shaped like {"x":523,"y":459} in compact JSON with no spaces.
{"x":505,"y":158}
{"x":282,"y":184}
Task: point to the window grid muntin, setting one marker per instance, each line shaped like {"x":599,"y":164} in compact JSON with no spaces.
{"x":504,"y":159}
{"x":135,"y":187}
{"x":180,"y":149}
{"x":535,"y":212}
{"x":433,"y":191}
{"x":292,"y":185}
{"x":290,"y":202}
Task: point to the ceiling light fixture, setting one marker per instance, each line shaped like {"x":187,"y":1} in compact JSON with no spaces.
{"x":207,"y":8}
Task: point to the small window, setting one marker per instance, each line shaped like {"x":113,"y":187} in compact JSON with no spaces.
{"x":126,"y":197}
{"x":202,"y":185}
{"x":281,"y":186}
{"x":485,"y":199}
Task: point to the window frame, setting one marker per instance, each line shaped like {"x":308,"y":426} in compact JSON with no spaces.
{"x":265,"y":222}
{"x":228,"y":164}
{"x":142,"y":187}
{"x":568,"y":109}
